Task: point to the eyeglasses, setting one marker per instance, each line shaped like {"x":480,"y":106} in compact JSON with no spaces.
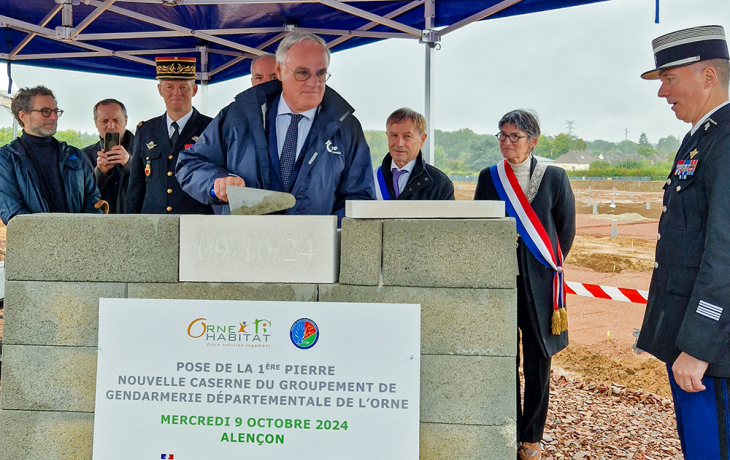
{"x":304,"y":74}
{"x":46,"y":112}
{"x":513,"y":137}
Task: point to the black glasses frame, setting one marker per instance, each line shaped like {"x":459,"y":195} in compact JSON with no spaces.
{"x":514,"y":137}
{"x":46,"y":112}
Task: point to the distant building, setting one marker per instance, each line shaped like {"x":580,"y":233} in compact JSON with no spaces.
{"x":575,"y":160}
{"x":547,"y":161}
{"x":654,"y":159}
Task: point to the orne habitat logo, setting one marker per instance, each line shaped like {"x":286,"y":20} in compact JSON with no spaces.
{"x":251,"y":334}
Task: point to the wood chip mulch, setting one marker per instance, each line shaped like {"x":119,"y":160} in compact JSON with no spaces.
{"x":589,"y":421}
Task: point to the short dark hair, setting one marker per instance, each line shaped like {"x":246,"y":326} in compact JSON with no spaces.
{"x":722,"y":66}
{"x":23,"y":101}
{"x":525,"y":120}
{"x":404,"y":114}
{"x":109,"y":102}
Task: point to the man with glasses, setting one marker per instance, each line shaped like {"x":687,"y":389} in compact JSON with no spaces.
{"x":39,"y":173}
{"x":292,"y":135}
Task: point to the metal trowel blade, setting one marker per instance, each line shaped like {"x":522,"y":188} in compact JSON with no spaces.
{"x":246,"y":201}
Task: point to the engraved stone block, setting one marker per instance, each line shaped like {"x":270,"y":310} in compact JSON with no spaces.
{"x":256,"y":249}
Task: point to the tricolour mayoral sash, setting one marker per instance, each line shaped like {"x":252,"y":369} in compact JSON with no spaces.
{"x":381,"y":191}
{"x":534,"y":235}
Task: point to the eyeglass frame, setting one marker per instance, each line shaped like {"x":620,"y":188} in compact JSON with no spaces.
{"x":327,"y":75}
{"x":509,"y":136}
{"x":57,"y":111}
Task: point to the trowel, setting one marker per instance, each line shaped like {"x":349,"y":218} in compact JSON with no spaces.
{"x":247,"y":201}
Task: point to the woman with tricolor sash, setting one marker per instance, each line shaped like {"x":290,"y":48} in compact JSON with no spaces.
{"x":541,"y":201}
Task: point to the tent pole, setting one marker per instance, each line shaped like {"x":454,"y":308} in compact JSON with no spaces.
{"x":204,"y":79}
{"x":429,"y":39}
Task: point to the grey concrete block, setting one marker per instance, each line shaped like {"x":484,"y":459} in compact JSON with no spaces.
{"x":463,"y":442}
{"x":34,"y":435}
{"x":225,"y":291}
{"x":468,"y":390}
{"x":47,"y":313}
{"x":48,"y":378}
{"x":91,"y":247}
{"x":361,"y":251}
{"x":462,"y":253}
{"x":453,"y":321}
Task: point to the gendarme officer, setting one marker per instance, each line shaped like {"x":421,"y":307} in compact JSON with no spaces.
{"x":153,"y":188}
{"x":687,"y":320}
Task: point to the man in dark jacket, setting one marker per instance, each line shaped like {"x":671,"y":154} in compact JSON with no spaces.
{"x":687,"y":319}
{"x":37,"y":172}
{"x":153,"y":188}
{"x":292,"y":135}
{"x":404,"y":175}
{"x":111,"y":168}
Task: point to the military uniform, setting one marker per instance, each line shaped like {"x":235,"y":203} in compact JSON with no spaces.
{"x":690,"y":287}
{"x":153,"y":188}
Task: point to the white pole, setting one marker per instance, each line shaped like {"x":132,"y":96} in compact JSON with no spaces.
{"x":430,"y":15}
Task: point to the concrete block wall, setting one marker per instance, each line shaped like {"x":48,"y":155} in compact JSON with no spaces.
{"x":460,"y":271}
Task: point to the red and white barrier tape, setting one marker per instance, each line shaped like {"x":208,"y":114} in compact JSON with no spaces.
{"x":606,"y":292}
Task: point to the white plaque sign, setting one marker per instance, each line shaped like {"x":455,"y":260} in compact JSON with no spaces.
{"x":204,"y":379}
{"x":424,"y":209}
{"x":255,"y":249}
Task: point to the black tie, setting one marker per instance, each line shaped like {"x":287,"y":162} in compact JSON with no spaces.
{"x":289,"y":151}
{"x":175,"y":134}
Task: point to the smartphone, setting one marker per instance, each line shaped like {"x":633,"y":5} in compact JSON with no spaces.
{"x":110,"y":141}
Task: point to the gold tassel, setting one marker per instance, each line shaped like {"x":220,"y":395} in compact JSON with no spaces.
{"x":557,"y":322}
{"x":563,"y":319}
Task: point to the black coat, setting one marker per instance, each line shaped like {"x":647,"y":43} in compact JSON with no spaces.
{"x":153,"y":187}
{"x":554,"y":206}
{"x":426,"y":182}
{"x":690,"y":287}
{"x":112,"y":185}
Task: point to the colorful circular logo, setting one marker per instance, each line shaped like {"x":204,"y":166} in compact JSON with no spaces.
{"x":304,"y":333}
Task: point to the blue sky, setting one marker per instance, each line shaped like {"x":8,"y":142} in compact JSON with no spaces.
{"x":580,"y":64}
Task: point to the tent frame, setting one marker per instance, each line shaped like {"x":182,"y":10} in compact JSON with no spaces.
{"x":67,"y":33}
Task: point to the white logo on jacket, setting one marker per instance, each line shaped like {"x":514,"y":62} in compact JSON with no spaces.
{"x":332,"y":148}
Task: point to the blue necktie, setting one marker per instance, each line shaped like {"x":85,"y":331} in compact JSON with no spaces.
{"x":396,"y":176}
{"x":289,"y":151}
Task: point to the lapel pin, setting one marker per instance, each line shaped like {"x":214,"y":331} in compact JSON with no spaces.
{"x":693,"y":153}
{"x":151,"y":145}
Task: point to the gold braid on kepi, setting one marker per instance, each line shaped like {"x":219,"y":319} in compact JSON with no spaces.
{"x":175,"y":68}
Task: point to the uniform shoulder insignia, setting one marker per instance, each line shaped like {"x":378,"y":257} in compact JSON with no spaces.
{"x":140,"y":123}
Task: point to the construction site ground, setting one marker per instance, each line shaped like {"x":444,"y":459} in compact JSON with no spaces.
{"x":607,"y":401}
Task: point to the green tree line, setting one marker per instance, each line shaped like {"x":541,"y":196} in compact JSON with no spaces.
{"x":465,"y":152}
{"x":70,"y":136}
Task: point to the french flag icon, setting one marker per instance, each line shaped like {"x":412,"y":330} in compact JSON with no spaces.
{"x":167,"y":456}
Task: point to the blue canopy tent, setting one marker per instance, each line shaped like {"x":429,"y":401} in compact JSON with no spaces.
{"x":122,"y":37}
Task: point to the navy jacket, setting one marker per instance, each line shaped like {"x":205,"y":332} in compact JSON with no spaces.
{"x":554,"y":206}
{"x":19,"y":192}
{"x":153,"y":187}
{"x":689,"y":298}
{"x":426,"y":182}
{"x":333,"y":166}
{"x":112,"y":185}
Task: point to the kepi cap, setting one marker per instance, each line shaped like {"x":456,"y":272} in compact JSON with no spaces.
{"x":687,"y":46}
{"x":175,"y":68}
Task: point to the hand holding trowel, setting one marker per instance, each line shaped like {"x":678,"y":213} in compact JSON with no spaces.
{"x":246,"y":201}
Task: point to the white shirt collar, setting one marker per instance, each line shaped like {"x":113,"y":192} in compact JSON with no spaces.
{"x":707,"y":115}
{"x":284,"y":109}
{"x":407,"y":167}
{"x":180,"y":123}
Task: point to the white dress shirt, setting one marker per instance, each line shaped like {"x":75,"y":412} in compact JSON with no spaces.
{"x":180,"y":123}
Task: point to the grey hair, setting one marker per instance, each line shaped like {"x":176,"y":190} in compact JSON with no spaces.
{"x":109,"y":102}
{"x":24,"y":100}
{"x":297,"y":37}
{"x":265,"y":55}
{"x":525,"y":120}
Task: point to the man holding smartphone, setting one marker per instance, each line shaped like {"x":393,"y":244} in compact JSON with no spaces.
{"x":110,"y":156}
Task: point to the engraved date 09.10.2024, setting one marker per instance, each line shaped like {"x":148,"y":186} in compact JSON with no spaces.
{"x":261,"y":249}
